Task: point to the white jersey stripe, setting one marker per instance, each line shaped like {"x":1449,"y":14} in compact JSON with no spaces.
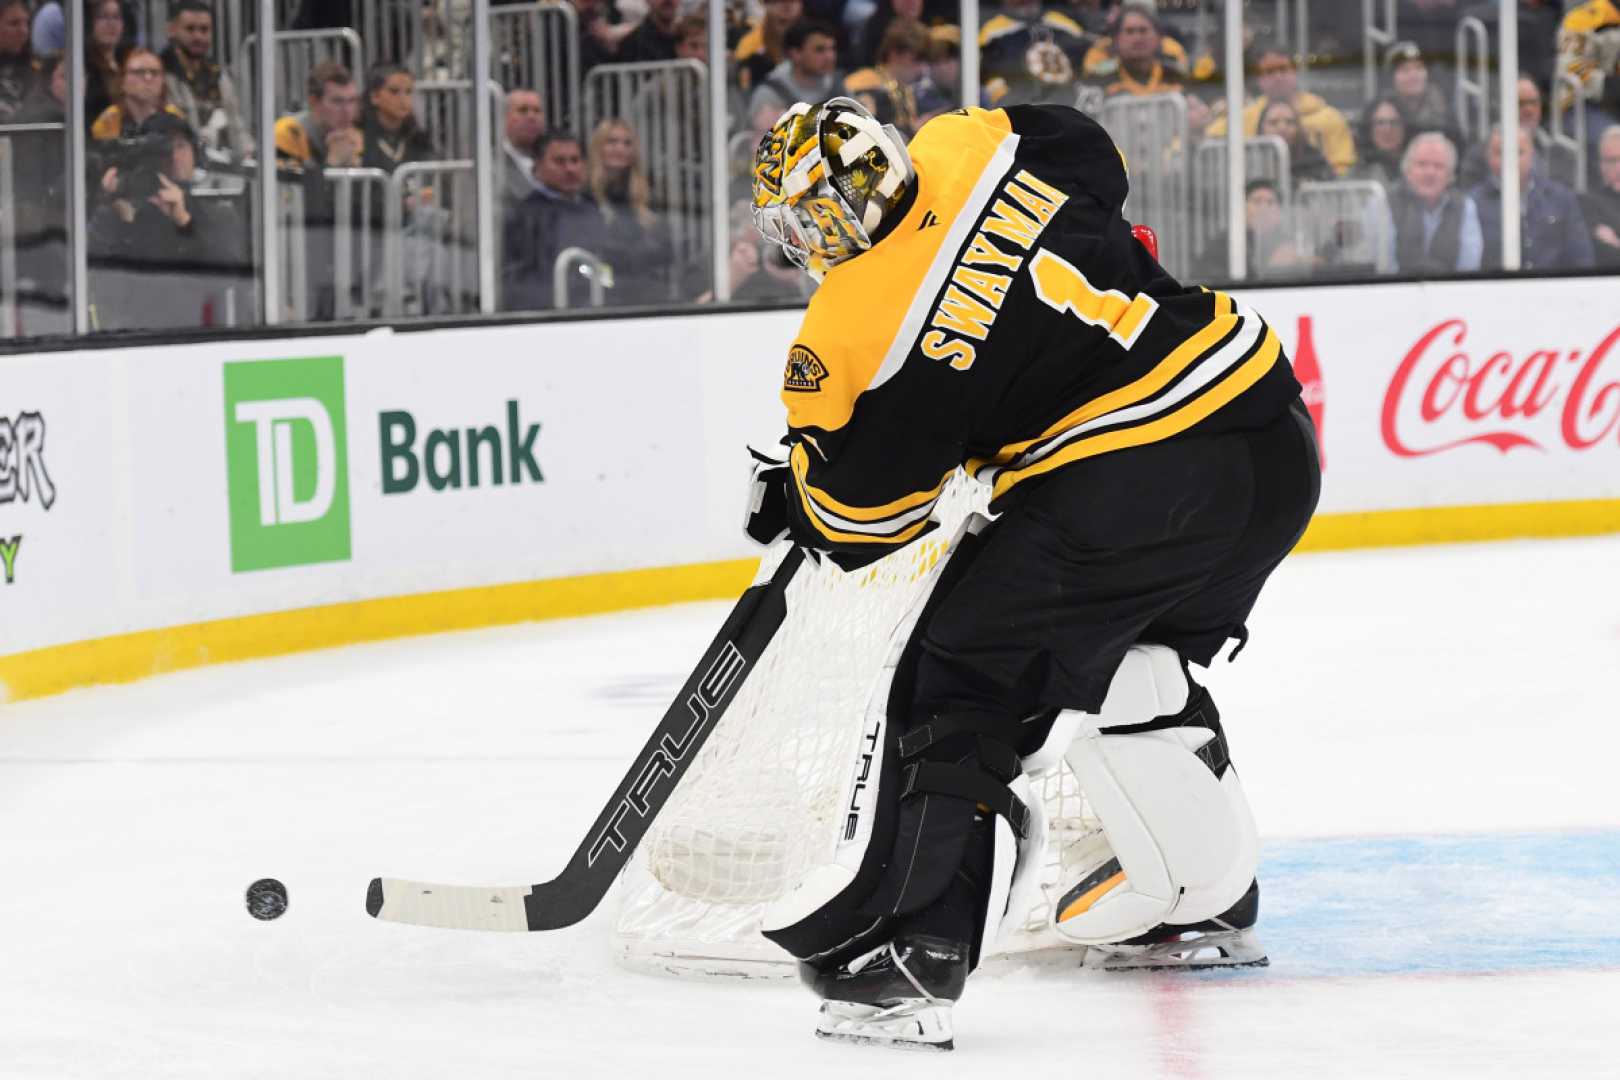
{"x":1203,"y":374}
{"x":922,"y":302}
{"x":886,"y":527}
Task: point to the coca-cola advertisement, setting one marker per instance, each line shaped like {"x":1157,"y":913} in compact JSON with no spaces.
{"x":1465,"y":394}
{"x":1453,"y":388}
{"x":1309,"y":374}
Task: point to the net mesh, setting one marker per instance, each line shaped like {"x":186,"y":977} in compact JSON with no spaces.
{"x":762,"y":803}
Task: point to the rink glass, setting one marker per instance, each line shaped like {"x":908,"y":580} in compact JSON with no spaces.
{"x":430,"y":227}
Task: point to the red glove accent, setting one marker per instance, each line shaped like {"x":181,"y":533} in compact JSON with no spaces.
{"x":1148,"y":238}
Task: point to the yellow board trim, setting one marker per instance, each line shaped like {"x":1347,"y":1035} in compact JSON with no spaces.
{"x":128,"y":657}
{"x":1461,"y":524}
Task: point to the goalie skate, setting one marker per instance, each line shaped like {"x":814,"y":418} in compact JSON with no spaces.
{"x":1191,"y":951}
{"x":1228,"y":940}
{"x":903,"y":1024}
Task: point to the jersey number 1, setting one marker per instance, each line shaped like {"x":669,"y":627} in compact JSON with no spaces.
{"x":1062,"y":286}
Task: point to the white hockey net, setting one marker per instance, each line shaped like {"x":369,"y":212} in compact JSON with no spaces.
{"x":763,"y":802}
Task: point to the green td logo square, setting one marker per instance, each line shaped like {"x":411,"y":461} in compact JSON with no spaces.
{"x":287,"y":462}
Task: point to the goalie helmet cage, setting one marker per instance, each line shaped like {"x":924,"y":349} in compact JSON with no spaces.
{"x":764,"y":800}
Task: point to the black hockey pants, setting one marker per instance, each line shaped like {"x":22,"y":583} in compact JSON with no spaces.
{"x":1167,"y":543}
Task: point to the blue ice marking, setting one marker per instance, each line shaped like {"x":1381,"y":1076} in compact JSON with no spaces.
{"x":1441,"y":904}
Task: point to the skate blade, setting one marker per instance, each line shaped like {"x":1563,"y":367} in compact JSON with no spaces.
{"x":1197,"y":952}
{"x":909,"y":1024}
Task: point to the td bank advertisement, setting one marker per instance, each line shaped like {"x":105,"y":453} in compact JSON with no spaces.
{"x":146,"y":488}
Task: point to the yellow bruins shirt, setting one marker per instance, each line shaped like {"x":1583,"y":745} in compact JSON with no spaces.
{"x":1589,"y":48}
{"x":1009,"y":323}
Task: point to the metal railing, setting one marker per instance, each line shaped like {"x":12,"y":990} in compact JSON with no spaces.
{"x":394,"y":30}
{"x":1293,"y":30}
{"x":234,"y":22}
{"x":536,"y":47}
{"x":1347,"y":222}
{"x":394,"y":27}
{"x":1177,"y":185}
{"x":294,"y":262}
{"x":1264,"y":157}
{"x":10,"y":285}
{"x":431,"y":257}
{"x":229,"y":310}
{"x":1572,"y":143}
{"x":1152,"y":134}
{"x":444,"y":107}
{"x":572,"y":260}
{"x":297,"y":53}
{"x":1473,"y":90}
{"x":664,"y":103}
{"x":8,"y":244}
{"x":400,"y":244}
{"x":1376,"y":38}
{"x":357,"y":208}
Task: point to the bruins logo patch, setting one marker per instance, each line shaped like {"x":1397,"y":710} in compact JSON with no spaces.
{"x":805,"y":371}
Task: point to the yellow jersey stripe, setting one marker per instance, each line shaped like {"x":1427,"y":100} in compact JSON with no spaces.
{"x":799,"y":458}
{"x":904,"y":536}
{"x":1201,"y":407}
{"x":1183,"y":356}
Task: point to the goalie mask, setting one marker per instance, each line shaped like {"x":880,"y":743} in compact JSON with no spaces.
{"x":826,"y":177}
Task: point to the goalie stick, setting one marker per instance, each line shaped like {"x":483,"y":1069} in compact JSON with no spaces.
{"x":574,"y":894}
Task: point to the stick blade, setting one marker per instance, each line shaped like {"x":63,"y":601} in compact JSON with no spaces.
{"x":449,"y":907}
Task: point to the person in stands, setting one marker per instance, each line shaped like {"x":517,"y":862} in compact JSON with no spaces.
{"x":1323,"y":126}
{"x":1380,"y":142}
{"x":635,"y":241}
{"x":558,"y":215}
{"x":390,"y":133}
{"x":162,"y":258}
{"x":1602,"y":203}
{"x":107,"y":43}
{"x":19,"y":70}
{"x":1552,"y":229}
{"x":1435,"y":227}
{"x":525,"y":122}
{"x":1305,"y":161}
{"x":199,"y":86}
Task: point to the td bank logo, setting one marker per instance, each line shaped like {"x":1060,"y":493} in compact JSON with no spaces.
{"x":287,"y":462}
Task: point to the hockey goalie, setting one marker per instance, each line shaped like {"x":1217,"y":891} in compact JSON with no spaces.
{"x":983,"y":305}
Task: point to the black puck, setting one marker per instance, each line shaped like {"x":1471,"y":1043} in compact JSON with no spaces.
{"x":267,"y":899}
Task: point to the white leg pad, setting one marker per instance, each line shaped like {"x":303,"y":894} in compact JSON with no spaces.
{"x":1016,"y":889}
{"x":1185,"y":840}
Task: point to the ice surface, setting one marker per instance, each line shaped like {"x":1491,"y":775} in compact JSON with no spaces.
{"x":1428,"y":736}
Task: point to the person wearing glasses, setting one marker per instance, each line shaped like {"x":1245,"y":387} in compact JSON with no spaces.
{"x":1381,"y":139}
{"x":162,"y":259}
{"x":1277,"y":78}
{"x":120,"y":130}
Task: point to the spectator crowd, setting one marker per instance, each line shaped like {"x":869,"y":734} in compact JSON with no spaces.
{"x":593,"y":216}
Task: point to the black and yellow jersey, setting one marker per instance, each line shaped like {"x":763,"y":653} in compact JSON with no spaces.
{"x":1009,"y":323}
{"x":1024,"y":60}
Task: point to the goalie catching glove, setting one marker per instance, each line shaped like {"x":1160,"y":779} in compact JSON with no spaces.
{"x":769,"y":487}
